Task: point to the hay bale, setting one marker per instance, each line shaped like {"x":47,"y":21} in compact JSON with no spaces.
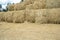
{"x":18,"y":16}
{"x":22,"y":5}
{"x":48,"y":16}
{"x":39,"y":4}
{"x":19,"y":6}
{"x":29,"y":6}
{"x":11,"y":7}
{"x":41,"y":16}
{"x":29,"y":1}
{"x":1,"y":16}
{"x":7,"y":16}
{"x":30,"y":16}
{"x":52,"y":3}
{"x":54,"y":15}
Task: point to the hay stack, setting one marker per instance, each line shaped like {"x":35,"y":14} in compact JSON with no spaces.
{"x":18,"y":16}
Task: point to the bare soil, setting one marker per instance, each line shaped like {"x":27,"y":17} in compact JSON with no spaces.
{"x":29,"y":31}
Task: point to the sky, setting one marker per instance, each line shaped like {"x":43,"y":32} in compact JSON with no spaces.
{"x":4,"y":2}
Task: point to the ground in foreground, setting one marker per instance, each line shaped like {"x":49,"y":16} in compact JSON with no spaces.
{"x":29,"y":31}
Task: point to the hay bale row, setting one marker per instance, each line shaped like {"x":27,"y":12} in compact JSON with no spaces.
{"x":13,"y":16}
{"x":35,"y":4}
{"x":40,"y":4}
{"x":33,"y":16}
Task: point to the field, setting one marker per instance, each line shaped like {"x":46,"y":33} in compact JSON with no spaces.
{"x":29,"y":31}
{"x":31,"y":20}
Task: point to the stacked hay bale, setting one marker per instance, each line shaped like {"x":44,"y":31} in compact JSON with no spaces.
{"x":19,"y":16}
{"x":9,"y":16}
{"x":38,"y":4}
{"x":30,"y":16}
{"x":1,"y":16}
{"x":6,"y":16}
{"x":11,"y":7}
{"x":41,"y":4}
{"x":22,"y":5}
{"x":52,"y":3}
{"x":34,"y":11}
{"x":13,"y":16}
{"x":41,"y":16}
{"x":48,"y":16}
{"x":19,"y":6}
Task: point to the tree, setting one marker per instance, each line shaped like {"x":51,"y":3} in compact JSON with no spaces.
{"x":22,"y":0}
{"x":0,"y":6}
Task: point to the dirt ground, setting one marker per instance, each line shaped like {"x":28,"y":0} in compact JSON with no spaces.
{"x":29,"y":31}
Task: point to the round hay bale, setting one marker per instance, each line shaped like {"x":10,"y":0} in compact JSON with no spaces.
{"x":29,"y":6}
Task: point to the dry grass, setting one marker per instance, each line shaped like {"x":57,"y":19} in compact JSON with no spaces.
{"x":54,"y":15}
{"x":29,"y":31}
